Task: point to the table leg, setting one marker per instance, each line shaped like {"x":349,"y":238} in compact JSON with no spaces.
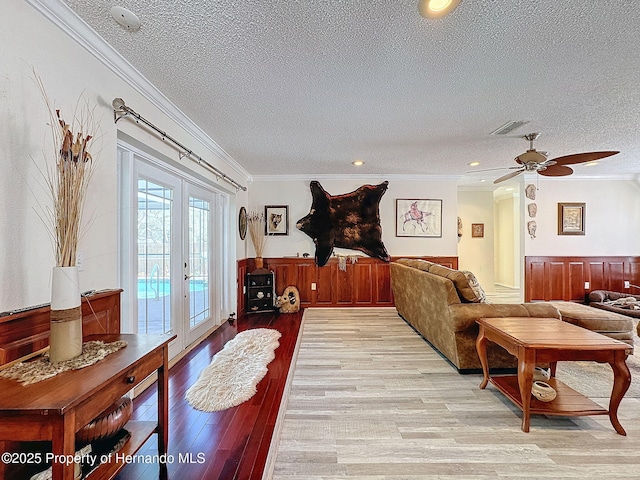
{"x":621,"y":383}
{"x":63,"y":447}
{"x":481,"y":348}
{"x":163,"y":410}
{"x":163,"y":403}
{"x":526,"y":365}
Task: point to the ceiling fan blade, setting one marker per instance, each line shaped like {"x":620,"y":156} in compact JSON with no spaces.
{"x":556,"y":171}
{"x":491,"y":169}
{"x":583,"y":157}
{"x":508,"y":176}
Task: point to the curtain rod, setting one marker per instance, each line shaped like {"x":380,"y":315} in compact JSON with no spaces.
{"x":120,"y":110}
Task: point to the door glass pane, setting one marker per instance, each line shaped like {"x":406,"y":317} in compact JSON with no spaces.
{"x":154,"y":257}
{"x":199,"y":235}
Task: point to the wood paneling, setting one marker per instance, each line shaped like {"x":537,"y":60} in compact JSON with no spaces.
{"x":364,"y":283}
{"x":27,"y":332}
{"x":563,"y":278}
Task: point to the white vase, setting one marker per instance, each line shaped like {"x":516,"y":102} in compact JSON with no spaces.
{"x":65,"y":337}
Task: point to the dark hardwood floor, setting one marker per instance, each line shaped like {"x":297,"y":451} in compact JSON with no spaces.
{"x":227,"y":445}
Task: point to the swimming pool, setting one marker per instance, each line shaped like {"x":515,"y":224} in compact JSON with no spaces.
{"x":154,"y":288}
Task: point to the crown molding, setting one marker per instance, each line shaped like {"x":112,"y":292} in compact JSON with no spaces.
{"x":61,"y":15}
{"x":368,"y":177}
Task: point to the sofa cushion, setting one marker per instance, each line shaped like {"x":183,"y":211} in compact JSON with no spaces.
{"x":594,"y":319}
{"x":465,"y":282}
{"x":418,"y":263}
{"x":478,"y":293}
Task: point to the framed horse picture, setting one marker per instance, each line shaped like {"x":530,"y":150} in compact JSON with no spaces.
{"x":418,"y":218}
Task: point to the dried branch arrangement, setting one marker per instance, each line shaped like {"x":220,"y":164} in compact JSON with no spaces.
{"x":256,"y":224}
{"x":68,"y":178}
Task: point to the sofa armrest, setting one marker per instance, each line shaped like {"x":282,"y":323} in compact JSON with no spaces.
{"x":598,"y":296}
{"x":464,"y":315}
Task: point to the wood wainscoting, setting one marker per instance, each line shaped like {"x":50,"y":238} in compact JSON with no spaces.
{"x":563,"y":278}
{"x":366,"y":283}
{"x":27,"y":332}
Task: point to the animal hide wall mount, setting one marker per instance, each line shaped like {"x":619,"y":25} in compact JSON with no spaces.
{"x":351,"y":220}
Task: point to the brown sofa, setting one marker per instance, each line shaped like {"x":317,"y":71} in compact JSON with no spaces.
{"x":443,"y":305}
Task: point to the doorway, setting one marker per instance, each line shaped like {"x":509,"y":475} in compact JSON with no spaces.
{"x":495,"y":256}
{"x":171,"y":250}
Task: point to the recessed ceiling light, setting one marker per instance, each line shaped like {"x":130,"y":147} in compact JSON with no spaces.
{"x":473,"y":164}
{"x":483,"y":180}
{"x":591,"y":164}
{"x":358,"y":163}
{"x":436,"y":8}
{"x":126,"y":18}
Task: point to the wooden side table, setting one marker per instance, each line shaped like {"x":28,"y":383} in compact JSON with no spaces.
{"x":549,"y":340}
{"x":56,"y":408}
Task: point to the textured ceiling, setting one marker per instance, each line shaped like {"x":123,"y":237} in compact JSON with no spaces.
{"x":306,"y":87}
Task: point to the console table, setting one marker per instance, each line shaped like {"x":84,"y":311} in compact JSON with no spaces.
{"x":56,"y":408}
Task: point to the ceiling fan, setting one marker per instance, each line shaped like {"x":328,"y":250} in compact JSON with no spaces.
{"x":535,"y":161}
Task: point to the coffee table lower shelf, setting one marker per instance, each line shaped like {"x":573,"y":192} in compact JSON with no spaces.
{"x":568,"y":402}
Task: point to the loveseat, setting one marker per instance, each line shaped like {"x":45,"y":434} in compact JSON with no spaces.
{"x":443,"y":305}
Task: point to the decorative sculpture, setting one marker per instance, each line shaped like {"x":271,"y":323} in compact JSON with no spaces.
{"x":289,"y":301}
{"x":350,"y":221}
{"x":530,"y":191}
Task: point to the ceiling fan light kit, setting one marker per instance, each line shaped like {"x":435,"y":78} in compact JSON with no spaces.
{"x":436,"y":8}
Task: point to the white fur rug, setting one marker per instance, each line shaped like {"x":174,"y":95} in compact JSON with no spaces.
{"x":234,"y":372}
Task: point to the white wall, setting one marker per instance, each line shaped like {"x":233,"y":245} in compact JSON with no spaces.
{"x":477,"y":254}
{"x":506,"y":221}
{"x":612,"y":225}
{"x":28,"y":41}
{"x":296,"y":194}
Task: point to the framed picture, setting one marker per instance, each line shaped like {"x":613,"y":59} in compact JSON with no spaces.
{"x":571,"y":217}
{"x":477,"y":230}
{"x":418,"y":217}
{"x":242,"y":223}
{"x":276,"y":219}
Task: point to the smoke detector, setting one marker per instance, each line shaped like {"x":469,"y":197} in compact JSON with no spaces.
{"x":126,"y":18}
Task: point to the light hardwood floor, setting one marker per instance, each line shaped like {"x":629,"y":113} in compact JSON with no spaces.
{"x":369,"y":399}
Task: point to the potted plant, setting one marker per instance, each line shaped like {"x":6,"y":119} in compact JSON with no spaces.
{"x":256,"y":224}
{"x":67,"y":180}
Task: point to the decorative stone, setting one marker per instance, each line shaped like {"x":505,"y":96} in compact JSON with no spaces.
{"x":541,"y":374}
{"x":532,"y":208}
{"x":543,"y":391}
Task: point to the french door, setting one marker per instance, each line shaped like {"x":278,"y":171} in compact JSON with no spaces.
{"x":172,"y":251}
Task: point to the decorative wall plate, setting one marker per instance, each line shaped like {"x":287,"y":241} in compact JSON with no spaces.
{"x":242,"y":223}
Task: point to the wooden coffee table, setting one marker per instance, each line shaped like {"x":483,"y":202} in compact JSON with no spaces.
{"x":549,"y":340}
